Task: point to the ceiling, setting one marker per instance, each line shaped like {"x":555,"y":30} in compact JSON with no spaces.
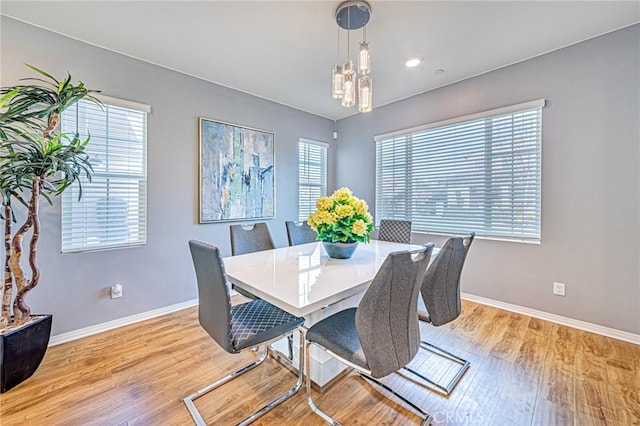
{"x":284,"y":51}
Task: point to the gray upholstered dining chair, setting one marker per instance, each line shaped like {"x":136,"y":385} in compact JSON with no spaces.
{"x":381,"y":335}
{"x":235,"y":328}
{"x":250,"y":238}
{"x":440,"y":303}
{"x":395,"y":231}
{"x":300,"y":233}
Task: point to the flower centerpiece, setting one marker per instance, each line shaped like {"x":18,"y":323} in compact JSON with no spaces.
{"x":341,"y":221}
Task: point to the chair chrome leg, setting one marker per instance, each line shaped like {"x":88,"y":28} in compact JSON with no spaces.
{"x":199,"y":421}
{"x":188,"y":401}
{"x":279,"y":400}
{"x":281,"y":356}
{"x":443,"y":389}
{"x":312,"y":404}
{"x":426,"y":417}
{"x":290,"y":346}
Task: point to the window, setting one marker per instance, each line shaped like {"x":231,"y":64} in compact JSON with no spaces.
{"x":113,"y":209}
{"x":477,"y":173}
{"x":312,"y":175}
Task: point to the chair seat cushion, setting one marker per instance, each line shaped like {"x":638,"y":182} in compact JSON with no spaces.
{"x":258,"y":321}
{"x":339,"y":335}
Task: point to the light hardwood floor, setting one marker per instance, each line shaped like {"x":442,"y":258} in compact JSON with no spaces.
{"x":524,"y":371}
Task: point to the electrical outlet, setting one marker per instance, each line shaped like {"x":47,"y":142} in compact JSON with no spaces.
{"x":116,"y":291}
{"x":558,"y":289}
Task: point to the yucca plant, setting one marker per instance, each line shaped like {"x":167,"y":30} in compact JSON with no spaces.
{"x":36,"y":161}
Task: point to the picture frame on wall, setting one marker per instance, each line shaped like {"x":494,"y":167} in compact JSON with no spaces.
{"x":237,"y":172}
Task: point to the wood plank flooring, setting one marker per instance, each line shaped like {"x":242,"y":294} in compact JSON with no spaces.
{"x":524,"y":371}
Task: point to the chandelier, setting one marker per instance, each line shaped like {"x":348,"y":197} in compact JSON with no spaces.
{"x":353,"y":15}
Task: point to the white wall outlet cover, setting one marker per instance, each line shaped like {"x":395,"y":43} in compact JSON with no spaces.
{"x":558,"y":289}
{"x":116,"y":291}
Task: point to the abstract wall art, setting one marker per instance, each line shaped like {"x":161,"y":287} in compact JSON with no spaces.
{"x":236,"y":172}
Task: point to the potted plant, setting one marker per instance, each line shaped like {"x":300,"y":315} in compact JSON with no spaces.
{"x":37,"y":161}
{"x":341,"y":221}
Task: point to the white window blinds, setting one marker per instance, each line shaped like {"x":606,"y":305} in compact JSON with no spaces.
{"x":312,"y":175}
{"x":480,"y":173}
{"x":113,"y":209}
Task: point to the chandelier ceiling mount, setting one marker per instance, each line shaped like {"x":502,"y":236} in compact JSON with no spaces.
{"x":352,"y":15}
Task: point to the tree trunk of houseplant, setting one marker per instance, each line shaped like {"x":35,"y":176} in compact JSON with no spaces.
{"x":21,"y":310}
{"x":5,"y":313}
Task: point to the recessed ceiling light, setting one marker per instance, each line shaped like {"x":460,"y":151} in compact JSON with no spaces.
{"x":439,"y":71}
{"x":413,"y":61}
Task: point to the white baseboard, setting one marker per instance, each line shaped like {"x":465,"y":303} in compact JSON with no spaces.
{"x":110,"y":325}
{"x":558,"y":319}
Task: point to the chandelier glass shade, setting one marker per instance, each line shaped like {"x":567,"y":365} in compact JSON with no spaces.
{"x":364,"y":59}
{"x":337,"y":82}
{"x":349,"y":89}
{"x":364,"y":94}
{"x":345,"y":84}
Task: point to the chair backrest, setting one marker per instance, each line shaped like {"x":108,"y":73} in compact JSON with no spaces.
{"x":396,"y":231}
{"x":441,"y":286}
{"x":300,"y":233}
{"x":214,"y":301}
{"x":256,"y":238}
{"x":387,"y":316}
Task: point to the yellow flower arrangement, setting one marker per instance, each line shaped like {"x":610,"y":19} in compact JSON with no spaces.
{"x":341,"y":218}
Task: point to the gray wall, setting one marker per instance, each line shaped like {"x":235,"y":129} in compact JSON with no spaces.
{"x":591,"y":181}
{"x":590,"y":177}
{"x":74,"y":286}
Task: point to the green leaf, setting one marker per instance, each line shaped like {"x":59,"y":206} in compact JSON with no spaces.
{"x":39,"y":71}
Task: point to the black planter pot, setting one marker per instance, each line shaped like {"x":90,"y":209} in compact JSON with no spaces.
{"x":22,"y":350}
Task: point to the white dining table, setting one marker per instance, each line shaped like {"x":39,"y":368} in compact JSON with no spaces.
{"x":305,"y":282}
